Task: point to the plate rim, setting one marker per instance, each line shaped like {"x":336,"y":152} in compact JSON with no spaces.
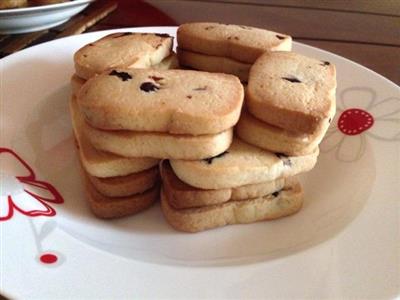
{"x":42,"y":8}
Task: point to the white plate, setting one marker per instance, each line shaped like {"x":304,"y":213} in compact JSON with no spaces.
{"x":344,"y":242}
{"x":35,"y":18}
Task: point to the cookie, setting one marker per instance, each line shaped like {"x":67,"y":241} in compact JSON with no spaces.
{"x":122,"y":186}
{"x":158,"y":145}
{"x":212,"y":63}
{"x":241,"y":43}
{"x":275,"y":139}
{"x":122,"y":50}
{"x":273,"y":206}
{"x":116,"y":207}
{"x":292,"y":91}
{"x":184,"y":102}
{"x":168,"y":63}
{"x":182,"y":195}
{"x":240,"y":165}
{"x":99,"y":163}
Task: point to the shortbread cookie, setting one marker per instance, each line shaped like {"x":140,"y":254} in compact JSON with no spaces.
{"x":211,"y":63}
{"x":12,"y":3}
{"x":117,"y":207}
{"x":241,"y":164}
{"x":275,"y":139}
{"x":168,"y":63}
{"x":99,"y":163}
{"x":276,"y":205}
{"x":170,"y":101}
{"x":292,"y":91}
{"x":122,"y":50}
{"x":182,"y":195}
{"x":122,"y":186}
{"x":158,"y":145}
{"x":241,"y":43}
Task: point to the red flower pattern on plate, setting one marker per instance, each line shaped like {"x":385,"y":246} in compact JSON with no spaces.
{"x":360,"y":115}
{"x":23,"y":192}
{"x":354,"y":121}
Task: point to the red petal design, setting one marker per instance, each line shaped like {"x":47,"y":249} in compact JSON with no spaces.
{"x":37,"y":185}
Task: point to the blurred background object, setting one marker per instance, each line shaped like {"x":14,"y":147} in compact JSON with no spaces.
{"x":367,"y":32}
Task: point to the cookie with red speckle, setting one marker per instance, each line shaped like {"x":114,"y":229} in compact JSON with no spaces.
{"x":182,"y":195}
{"x":164,"y":101}
{"x":240,"y":165}
{"x":275,"y":139}
{"x":292,"y":91}
{"x":122,"y":50}
{"x":211,"y":63}
{"x":285,"y":202}
{"x":241,"y":43}
{"x":168,"y":63}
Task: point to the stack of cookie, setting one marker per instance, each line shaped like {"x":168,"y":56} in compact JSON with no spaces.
{"x":133,"y":116}
{"x":231,"y":49}
{"x":173,"y":114}
{"x":290,"y":102}
{"x":128,"y":115}
{"x":244,"y":184}
{"x":117,"y":186}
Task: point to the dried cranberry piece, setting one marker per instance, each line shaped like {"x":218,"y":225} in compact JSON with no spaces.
{"x":149,"y":87}
{"x":121,"y":75}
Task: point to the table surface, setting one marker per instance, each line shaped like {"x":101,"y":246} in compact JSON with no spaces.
{"x":367,"y":32}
